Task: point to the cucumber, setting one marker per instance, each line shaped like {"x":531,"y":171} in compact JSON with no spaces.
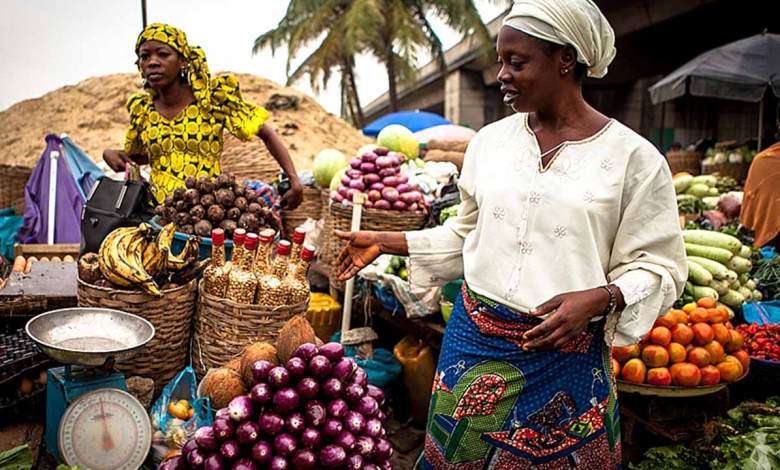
{"x":698,"y":190}
{"x":746,"y":293}
{"x":717,"y":270}
{"x":681,"y":183}
{"x":757,"y":295}
{"x":709,"y":180}
{"x":740,"y":265}
{"x":720,"y":255}
{"x":688,"y":288}
{"x":745,"y":252}
{"x":714,"y":239}
{"x":698,"y":274}
{"x":702,"y":291}
{"x":732,"y":276}
{"x":732,"y":298}
{"x":743,"y":278}
{"x":750,"y":284}
{"x":721,"y":287}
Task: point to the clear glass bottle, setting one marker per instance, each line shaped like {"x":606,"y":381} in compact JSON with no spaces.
{"x":262,"y":262}
{"x":297,"y":282}
{"x":239,"y":237}
{"x":215,"y":275}
{"x":241,"y":280}
{"x":298,"y":237}
{"x":270,"y":291}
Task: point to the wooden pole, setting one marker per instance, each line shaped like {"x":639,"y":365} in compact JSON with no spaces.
{"x":143,"y":13}
{"x":358,"y":199}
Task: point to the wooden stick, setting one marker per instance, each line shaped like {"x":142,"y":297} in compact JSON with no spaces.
{"x":358,"y":199}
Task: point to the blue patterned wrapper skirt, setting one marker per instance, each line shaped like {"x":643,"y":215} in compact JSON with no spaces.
{"x":496,"y":406}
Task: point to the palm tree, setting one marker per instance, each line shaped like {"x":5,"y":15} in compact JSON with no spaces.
{"x":394,"y":31}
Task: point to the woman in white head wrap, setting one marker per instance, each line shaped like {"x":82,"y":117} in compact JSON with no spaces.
{"x":567,"y":237}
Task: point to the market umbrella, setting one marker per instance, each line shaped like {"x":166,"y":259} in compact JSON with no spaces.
{"x":446,"y":132}
{"x":741,"y":70}
{"x":412,"y":120}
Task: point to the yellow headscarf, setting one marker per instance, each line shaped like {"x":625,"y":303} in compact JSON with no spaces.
{"x":197,"y":68}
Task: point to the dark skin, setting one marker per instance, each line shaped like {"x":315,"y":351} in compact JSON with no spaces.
{"x":540,"y":80}
{"x":160,"y":66}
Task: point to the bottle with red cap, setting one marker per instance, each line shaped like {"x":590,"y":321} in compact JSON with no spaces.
{"x":270,"y":290}
{"x":297,"y":281}
{"x":241,"y":279}
{"x":215,"y":275}
{"x":262,"y":262}
{"x":299,"y":236}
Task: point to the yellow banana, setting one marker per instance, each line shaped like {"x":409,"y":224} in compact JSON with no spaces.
{"x":165,"y":238}
{"x":108,"y":247}
{"x":121,"y":258}
{"x":135,"y":251}
{"x":154,"y":258}
{"x":183,"y":259}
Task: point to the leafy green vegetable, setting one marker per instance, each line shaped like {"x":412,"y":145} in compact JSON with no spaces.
{"x":676,"y":457}
{"x":18,"y":458}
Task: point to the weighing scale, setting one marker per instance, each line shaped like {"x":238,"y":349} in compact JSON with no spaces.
{"x":91,"y":420}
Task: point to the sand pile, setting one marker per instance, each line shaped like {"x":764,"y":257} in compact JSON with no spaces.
{"x":93,"y":114}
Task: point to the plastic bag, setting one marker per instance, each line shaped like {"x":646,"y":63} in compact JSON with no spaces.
{"x":417,"y":301}
{"x":171,"y":432}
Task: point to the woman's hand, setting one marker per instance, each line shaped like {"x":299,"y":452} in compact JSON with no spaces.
{"x":364,"y":247}
{"x":294,"y":196}
{"x":572,"y":313}
{"x":116,"y":160}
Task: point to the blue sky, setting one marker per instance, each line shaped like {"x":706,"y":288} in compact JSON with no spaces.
{"x":46,"y":44}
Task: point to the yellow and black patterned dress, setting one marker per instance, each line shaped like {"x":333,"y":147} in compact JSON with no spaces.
{"x":190,"y":144}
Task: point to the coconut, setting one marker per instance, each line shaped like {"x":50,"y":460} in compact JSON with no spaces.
{"x":256,"y":352}
{"x":221,"y":385}
{"x":234,"y":364}
{"x":294,"y":333}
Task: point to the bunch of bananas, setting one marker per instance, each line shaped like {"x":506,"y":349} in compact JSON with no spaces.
{"x":131,"y":256}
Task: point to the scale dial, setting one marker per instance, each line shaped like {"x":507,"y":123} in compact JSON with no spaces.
{"x":105,"y":429}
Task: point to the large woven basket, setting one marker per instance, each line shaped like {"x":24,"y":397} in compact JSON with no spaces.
{"x":167,"y":353}
{"x":738,"y":171}
{"x":248,"y":160}
{"x":684,"y":161}
{"x":310,"y":208}
{"x":324,"y":255}
{"x":12,"y":181}
{"x":224,"y":328}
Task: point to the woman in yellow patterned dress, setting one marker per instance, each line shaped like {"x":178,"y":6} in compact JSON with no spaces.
{"x":176,"y":126}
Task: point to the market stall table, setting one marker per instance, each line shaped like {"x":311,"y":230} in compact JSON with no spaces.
{"x":48,"y":286}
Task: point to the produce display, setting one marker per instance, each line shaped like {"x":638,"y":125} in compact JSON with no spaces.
{"x":398,"y":138}
{"x":762,"y":342}
{"x":133,"y":257}
{"x":694,"y":346}
{"x":718,"y":267}
{"x":326,"y":164}
{"x":397,"y":267}
{"x":378,"y":174}
{"x":208,"y":203}
{"x":315,"y":411}
{"x":767,"y":275}
{"x":715,"y":156}
{"x":716,"y":197}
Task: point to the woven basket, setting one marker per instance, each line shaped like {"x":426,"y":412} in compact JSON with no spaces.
{"x":12,"y":181}
{"x":166,"y":354}
{"x":738,"y":171}
{"x":684,"y":161}
{"x":310,"y":208}
{"x":248,"y":160}
{"x":324,"y":254}
{"x":224,"y":328}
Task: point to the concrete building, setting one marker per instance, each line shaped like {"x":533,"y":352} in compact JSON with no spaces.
{"x":653,"y":38}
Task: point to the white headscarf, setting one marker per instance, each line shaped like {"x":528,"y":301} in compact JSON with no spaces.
{"x":578,"y":23}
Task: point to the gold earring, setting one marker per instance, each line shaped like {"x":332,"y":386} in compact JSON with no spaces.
{"x":564,"y":71}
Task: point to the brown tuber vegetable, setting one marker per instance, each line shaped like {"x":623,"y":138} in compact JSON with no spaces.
{"x":225,"y":197}
{"x":225,"y":180}
{"x":240,"y":203}
{"x":192,"y":196}
{"x":203,"y":228}
{"x":187,"y":229}
{"x":249,"y":222}
{"x":183,"y":218}
{"x":254,"y":208}
{"x":260,"y":351}
{"x":222,"y":385}
{"x":233,"y":213}
{"x":215,"y":213}
{"x":228,"y":226}
{"x":190,"y":182}
{"x":208,"y":200}
{"x":198,"y":211}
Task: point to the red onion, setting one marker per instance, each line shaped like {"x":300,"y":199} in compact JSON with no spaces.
{"x":346,"y":440}
{"x":306,"y":351}
{"x":247,"y":432}
{"x":271,"y":424}
{"x":296,"y":367}
{"x":380,"y":415}
{"x":177,"y":462}
{"x":368,"y":204}
{"x":355,"y":422}
{"x":381,"y":151}
{"x":188,"y":447}
{"x":286,"y":400}
{"x":285,"y":444}
{"x":373,"y":428}
{"x":374,"y":195}
{"x":413,"y":207}
{"x":369,"y":157}
{"x":367,"y":406}
{"x":357,"y":185}
{"x":304,"y":459}
{"x":244,"y":464}
{"x":403,"y":188}
{"x":364,"y":446}
{"x":387,"y":172}
{"x":411,"y":197}
{"x":382,"y":204}
{"x":367,"y":167}
{"x":262,"y":452}
{"x":332,"y":427}
{"x":354,"y":174}
{"x":311,"y":438}
{"x":343,"y":191}
{"x":370,"y":466}
{"x":355,"y":163}
{"x":355,"y":462}
{"x":383,"y":162}
{"x":333,"y":351}
{"x":332,"y":456}
{"x":260,"y":370}
{"x":315,"y":413}
{"x":360,"y":377}
{"x":332,"y":388}
{"x":320,"y":367}
{"x":383,"y":450}
{"x":222,"y":413}
{"x":295,"y":423}
{"x":278,"y":377}
{"x":229,"y":450}
{"x":390,"y":181}
{"x":345,"y":180}
{"x":386,"y":465}
{"x":213,"y":462}
{"x":376,"y":393}
{"x":371,"y":178}
{"x":390,"y":194}
{"x":308,"y":388}
{"x":223,"y":428}
{"x":196,"y":457}
{"x":337,"y":408}
{"x":354,"y":392}
{"x":396,"y":158}
{"x":377,"y":187}
{"x":261,"y":393}
{"x":205,"y":438}
{"x":337,"y":197}
{"x":399,"y":205}
{"x":279,"y":463}
{"x":240,"y":408}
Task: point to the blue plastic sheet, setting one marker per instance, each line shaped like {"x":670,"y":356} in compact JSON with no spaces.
{"x":9,"y":225}
{"x":763,"y":313}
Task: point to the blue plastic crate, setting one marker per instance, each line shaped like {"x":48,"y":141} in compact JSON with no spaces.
{"x":179,"y":239}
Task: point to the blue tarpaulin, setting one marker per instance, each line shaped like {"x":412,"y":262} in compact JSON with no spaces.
{"x":9,"y":225}
{"x":412,"y":120}
{"x":83,"y":169}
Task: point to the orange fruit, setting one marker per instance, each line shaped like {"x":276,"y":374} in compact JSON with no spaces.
{"x":624,"y":353}
{"x":685,"y":374}
{"x":699,"y":315}
{"x":655,"y":356}
{"x":730,"y":369}
{"x":659,"y":376}
{"x":721,"y":333}
{"x":634,"y":371}
{"x":718,"y":315}
{"x":702,"y":333}
{"x":615,"y":368}
{"x":688,"y":308}
{"x":661,"y":335}
{"x":716,"y":351}
{"x":699,"y":357}
{"x":707,"y":302}
{"x":682,"y":334}
{"x":743,"y":357}
{"x":668,"y":320}
{"x":677,"y":352}
{"x":710,"y":375}
{"x":736,"y":342}
{"x":682,"y":317}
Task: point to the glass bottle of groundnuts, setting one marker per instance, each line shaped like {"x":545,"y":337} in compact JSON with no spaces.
{"x":270,"y":290}
{"x":241,"y":279}
{"x":215,"y":276}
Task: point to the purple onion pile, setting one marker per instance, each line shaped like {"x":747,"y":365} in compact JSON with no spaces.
{"x":378,"y":174}
{"x":316,"y":411}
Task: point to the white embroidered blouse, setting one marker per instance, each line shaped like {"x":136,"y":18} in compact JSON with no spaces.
{"x":603,"y":211}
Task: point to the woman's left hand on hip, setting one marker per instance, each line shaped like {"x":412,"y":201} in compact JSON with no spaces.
{"x":571,"y":313}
